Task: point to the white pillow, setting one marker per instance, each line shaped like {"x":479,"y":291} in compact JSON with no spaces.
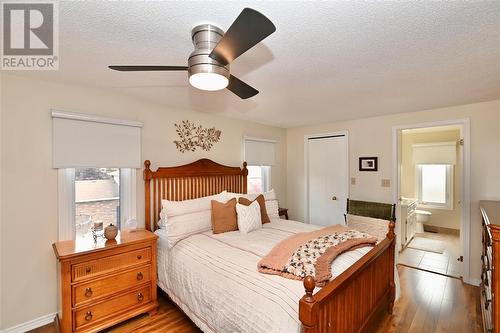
{"x":372,"y":226}
{"x":270,"y":195}
{"x":174,"y":208}
{"x":272,"y":209}
{"x":248,"y":217}
{"x":182,"y":226}
{"x":184,"y":218}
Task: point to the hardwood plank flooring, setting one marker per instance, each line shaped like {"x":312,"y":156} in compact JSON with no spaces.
{"x":429,"y":303}
{"x":433,"y":303}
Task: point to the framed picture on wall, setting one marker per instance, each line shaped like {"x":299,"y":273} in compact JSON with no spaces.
{"x":368,"y":163}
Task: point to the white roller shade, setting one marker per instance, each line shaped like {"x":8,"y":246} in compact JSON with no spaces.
{"x":260,"y":151}
{"x":435,"y":153}
{"x":81,"y":140}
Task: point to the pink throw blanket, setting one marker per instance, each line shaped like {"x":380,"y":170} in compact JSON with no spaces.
{"x":312,"y":253}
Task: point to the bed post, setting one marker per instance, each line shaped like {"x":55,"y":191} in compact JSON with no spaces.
{"x":308,"y":317}
{"x":147,"y":174}
{"x":245,"y":174}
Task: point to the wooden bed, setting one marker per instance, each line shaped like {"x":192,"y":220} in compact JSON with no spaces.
{"x":352,"y":302}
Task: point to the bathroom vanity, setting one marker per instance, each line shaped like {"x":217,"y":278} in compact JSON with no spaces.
{"x":408,"y":218}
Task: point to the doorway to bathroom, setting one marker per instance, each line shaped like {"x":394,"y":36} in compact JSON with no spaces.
{"x":431,"y":189}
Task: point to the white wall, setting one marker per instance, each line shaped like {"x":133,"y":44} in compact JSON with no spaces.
{"x":29,"y":184}
{"x":373,"y":137}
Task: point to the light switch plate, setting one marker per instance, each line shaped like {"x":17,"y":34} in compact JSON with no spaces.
{"x":386,"y":183}
{"x":353,"y":180}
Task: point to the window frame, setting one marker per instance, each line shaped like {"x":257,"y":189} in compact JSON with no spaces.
{"x":265,"y":175}
{"x":448,"y":205}
{"x":66,"y":200}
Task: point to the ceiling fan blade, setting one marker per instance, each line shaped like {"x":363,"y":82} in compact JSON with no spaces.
{"x":249,"y":28}
{"x":148,"y":68}
{"x":240,"y":88}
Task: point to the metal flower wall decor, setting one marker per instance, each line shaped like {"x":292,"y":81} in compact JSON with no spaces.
{"x":192,"y":137}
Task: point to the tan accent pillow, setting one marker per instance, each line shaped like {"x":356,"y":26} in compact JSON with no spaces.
{"x":224,"y":216}
{"x":262,"y":203}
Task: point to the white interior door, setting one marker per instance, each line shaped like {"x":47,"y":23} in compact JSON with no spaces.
{"x":327,"y":179}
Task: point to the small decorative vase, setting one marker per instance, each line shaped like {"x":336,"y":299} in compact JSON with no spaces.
{"x":110,"y":231}
{"x":131,"y":225}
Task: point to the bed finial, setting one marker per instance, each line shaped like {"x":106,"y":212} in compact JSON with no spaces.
{"x":147,"y":171}
{"x":309,"y":285}
{"x":391,"y":233}
{"x":245,"y":168}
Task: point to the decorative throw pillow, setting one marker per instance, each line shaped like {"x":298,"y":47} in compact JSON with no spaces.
{"x":272,"y":208}
{"x":248,"y":217}
{"x":262,"y":203}
{"x":224,"y":216}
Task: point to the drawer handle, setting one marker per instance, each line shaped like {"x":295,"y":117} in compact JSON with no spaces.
{"x":88,"y":292}
{"x":87,"y":269}
{"x":140,"y":276}
{"x":139,"y":257}
{"x":88,"y":316}
{"x":140,"y":297}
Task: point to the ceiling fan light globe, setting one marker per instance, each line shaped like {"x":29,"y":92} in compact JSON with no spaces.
{"x":208,"y":81}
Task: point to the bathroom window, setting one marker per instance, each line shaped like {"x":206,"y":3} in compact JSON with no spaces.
{"x":435,"y":185}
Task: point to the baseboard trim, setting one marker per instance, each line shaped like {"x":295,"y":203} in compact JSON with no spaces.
{"x":32,"y":324}
{"x":474,"y":282}
{"x":441,"y":230}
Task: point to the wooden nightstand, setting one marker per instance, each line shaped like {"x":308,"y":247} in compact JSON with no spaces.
{"x":283,"y":212}
{"x":107,"y":282}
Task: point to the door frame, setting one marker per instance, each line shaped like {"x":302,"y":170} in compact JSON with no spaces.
{"x":345,"y":134}
{"x":465,"y":227}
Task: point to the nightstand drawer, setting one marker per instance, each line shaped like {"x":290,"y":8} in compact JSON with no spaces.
{"x":95,"y":313}
{"x":93,"y":290}
{"x":107,"y":264}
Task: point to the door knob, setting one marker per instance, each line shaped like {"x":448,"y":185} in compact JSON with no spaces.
{"x":334,"y":198}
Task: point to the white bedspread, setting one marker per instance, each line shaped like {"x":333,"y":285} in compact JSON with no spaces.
{"x":214,"y":279}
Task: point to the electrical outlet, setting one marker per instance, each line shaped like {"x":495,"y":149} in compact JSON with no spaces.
{"x":353,"y":180}
{"x":386,"y":183}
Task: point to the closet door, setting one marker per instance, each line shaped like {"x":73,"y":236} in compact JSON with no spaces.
{"x":327,"y":179}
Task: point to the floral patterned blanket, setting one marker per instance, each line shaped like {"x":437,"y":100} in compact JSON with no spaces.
{"x":312,"y":253}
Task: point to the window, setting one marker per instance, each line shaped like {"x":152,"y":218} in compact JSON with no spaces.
{"x":88,"y":190}
{"x":88,"y":195}
{"x":435,"y":185}
{"x":259,"y":179}
{"x":97,"y":198}
{"x":260,"y":154}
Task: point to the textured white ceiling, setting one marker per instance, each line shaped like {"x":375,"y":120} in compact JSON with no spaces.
{"x":327,"y":61}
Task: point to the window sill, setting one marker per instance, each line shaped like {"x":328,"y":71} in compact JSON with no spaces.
{"x":430,"y":206}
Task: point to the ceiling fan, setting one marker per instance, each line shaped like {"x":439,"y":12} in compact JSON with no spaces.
{"x":208,"y":64}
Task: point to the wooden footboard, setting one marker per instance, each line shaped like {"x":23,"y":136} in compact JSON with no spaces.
{"x":351,"y":302}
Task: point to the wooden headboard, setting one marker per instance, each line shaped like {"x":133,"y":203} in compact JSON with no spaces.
{"x":195,"y":180}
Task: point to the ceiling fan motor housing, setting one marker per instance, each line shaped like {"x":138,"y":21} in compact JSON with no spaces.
{"x":205,"y":37}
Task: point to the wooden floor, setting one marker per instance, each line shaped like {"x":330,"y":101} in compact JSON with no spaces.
{"x":433,"y":303}
{"x":429,"y":303}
